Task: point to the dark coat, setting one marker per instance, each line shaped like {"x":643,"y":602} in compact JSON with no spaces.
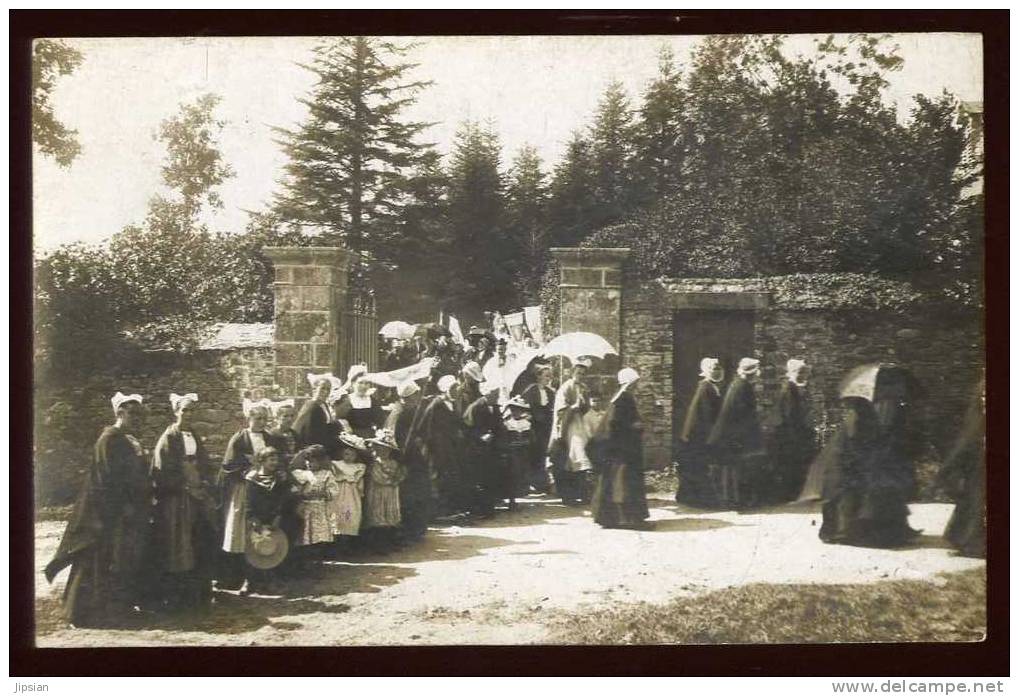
{"x":109,"y":533}
{"x":737,"y":428}
{"x":239,"y":453}
{"x":265,"y":499}
{"x":484,"y":459}
{"x":416,"y":493}
{"x":701,"y":414}
{"x":619,"y":498}
{"x":792,"y":442}
{"x":964,"y":477}
{"x":313,"y":427}
{"x":363,"y":421}
{"x":441,"y":433}
{"x":186,"y":527}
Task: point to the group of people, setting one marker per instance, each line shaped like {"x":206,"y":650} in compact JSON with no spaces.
{"x":732,"y":458}
{"x":361,"y":466}
{"x":727,"y":457}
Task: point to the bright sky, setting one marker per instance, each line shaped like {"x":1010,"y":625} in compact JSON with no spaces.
{"x":535,"y":90}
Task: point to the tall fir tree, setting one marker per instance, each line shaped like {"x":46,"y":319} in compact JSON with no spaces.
{"x":662,"y":134}
{"x":526,"y":219}
{"x":612,"y":151}
{"x":571,"y":194}
{"x":482,"y":277}
{"x":352,"y":159}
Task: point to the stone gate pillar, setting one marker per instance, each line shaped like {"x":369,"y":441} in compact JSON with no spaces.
{"x":590,"y":298}
{"x":310,"y":292}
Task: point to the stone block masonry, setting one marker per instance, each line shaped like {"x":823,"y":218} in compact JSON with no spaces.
{"x":310,"y":292}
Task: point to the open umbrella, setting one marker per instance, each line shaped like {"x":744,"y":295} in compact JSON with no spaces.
{"x":872,"y":380}
{"x":575,"y":344}
{"x":397,"y":329}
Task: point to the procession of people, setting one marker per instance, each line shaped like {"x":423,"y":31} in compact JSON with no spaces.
{"x":455,"y":430}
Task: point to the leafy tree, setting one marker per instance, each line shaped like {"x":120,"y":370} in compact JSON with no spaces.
{"x":352,"y":158}
{"x":798,"y":164}
{"x":51,"y":60}
{"x":482,"y":277}
{"x":526,"y":218}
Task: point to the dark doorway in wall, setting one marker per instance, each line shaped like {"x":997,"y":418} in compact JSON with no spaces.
{"x":696,"y":333}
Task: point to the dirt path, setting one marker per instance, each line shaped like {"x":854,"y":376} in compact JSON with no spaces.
{"x":495,"y":583}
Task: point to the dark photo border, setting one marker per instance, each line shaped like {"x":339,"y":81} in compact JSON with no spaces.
{"x":987,"y":658}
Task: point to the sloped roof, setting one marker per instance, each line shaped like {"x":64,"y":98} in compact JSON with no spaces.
{"x":227,"y":336}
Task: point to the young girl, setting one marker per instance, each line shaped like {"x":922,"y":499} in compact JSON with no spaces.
{"x":382,"y":500}
{"x":345,"y":509}
{"x":314,"y":486}
{"x":266,"y":495}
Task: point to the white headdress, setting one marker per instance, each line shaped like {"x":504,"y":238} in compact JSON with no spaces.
{"x":748,"y":366}
{"x":119,"y":398}
{"x":445,"y":383}
{"x":353,"y":373}
{"x":792,"y":370}
{"x":627,"y":375}
{"x":708,"y":366}
{"x":247,"y":406}
{"x":179,"y":401}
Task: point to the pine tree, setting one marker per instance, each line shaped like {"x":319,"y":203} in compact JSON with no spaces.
{"x":351,"y":159}
{"x":571,"y":194}
{"x":482,"y":277}
{"x":662,"y":133}
{"x":526,"y":213}
{"x":612,"y":148}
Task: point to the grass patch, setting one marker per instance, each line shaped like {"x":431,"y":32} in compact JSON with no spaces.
{"x":953,"y":609}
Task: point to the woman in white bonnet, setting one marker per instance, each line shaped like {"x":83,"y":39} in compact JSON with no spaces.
{"x":696,"y":457}
{"x":793,"y":441}
{"x":186,"y":525}
{"x":620,"y":500}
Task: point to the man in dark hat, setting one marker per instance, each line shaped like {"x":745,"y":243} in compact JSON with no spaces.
{"x":483,"y":424}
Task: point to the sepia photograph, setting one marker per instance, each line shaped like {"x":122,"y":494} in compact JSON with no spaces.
{"x":366,"y":340}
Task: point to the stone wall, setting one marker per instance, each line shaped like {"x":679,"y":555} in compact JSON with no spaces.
{"x":70,"y":417}
{"x":943,"y":346}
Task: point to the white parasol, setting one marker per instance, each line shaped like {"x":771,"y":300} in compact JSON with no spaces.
{"x":397,"y":329}
{"x":575,"y":344}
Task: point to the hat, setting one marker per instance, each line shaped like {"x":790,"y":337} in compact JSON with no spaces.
{"x":473,"y":370}
{"x":120,"y":398}
{"x":583,"y":361}
{"x":445,"y":383}
{"x":708,"y":366}
{"x":266,"y":548}
{"x":627,"y":376}
{"x":517,"y":402}
{"x":384,"y":438}
{"x":247,"y":406}
{"x":354,"y":441}
{"x":476,"y":331}
{"x":408,"y":388}
{"x":748,"y":366}
{"x":179,"y":401}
